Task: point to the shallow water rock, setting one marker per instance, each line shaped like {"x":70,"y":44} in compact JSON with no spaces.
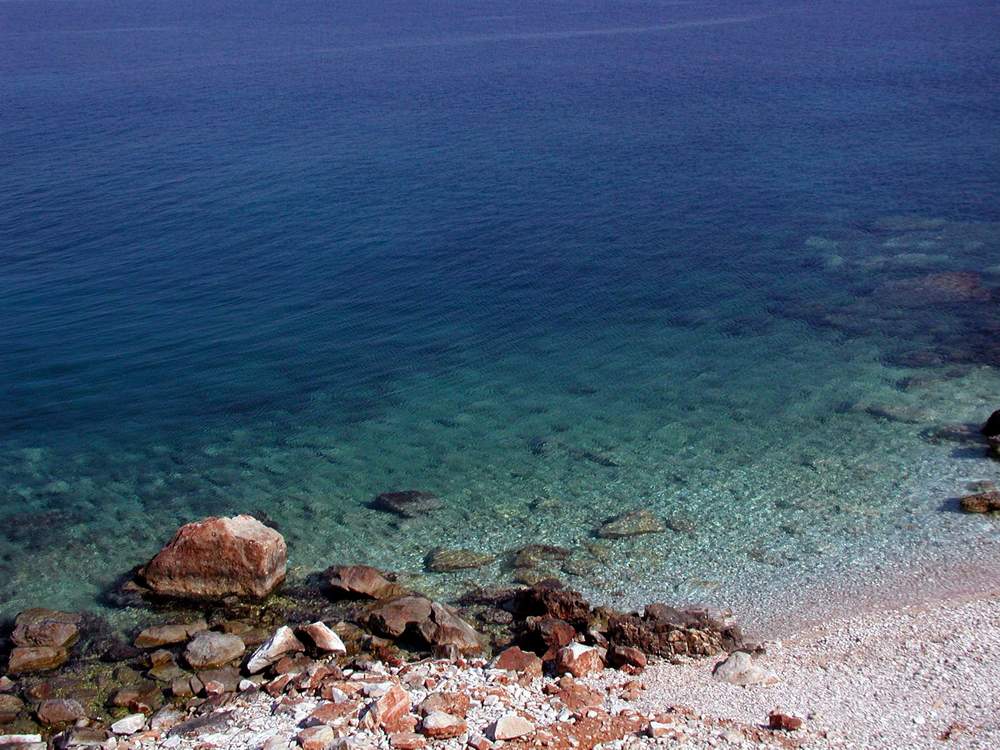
{"x":60,"y":711}
{"x":739,"y":668}
{"x":433,"y":623}
{"x":38,"y":659}
{"x":950,"y":287}
{"x":361,"y":581}
{"x":209,"y":650}
{"x":981,"y":502}
{"x":167,"y":635}
{"x":539,"y":555}
{"x":633,"y":523}
{"x":443,"y":560}
{"x":219,"y":557}
{"x":406,"y":503}
{"x":10,"y":707}
{"x":46,"y":627}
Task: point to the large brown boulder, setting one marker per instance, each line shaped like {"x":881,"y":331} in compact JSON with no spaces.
{"x":219,"y":557}
{"x":430,"y":622}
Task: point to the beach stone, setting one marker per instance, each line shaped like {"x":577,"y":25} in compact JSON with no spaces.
{"x":407,"y":741}
{"x":778,"y":720}
{"x":7,"y":685}
{"x":329,"y":713}
{"x":129,"y":724}
{"x":513,"y":659}
{"x":433,"y":622}
{"x":210,"y":649}
{"x":219,"y":557}
{"x":91,"y":738}
{"x":454,"y":703}
{"x":579,"y":660}
{"x":320,"y":737}
{"x":168,"y":635}
{"x":323,"y":638}
{"x":439,"y":725}
{"x":165,"y":719}
{"x":509,"y":727}
{"x":546,"y":636}
{"x":60,"y":711}
{"x":10,"y":707}
{"x":443,"y":560}
{"x":739,"y":669}
{"x":145,"y":693}
{"x":35,"y":659}
{"x":626,"y":656}
{"x":361,"y":581}
{"x":389,"y":711}
{"x":633,"y":523}
{"x":576,"y":696}
{"x":22,"y":742}
{"x":271,"y":651}
{"x":46,"y":627}
{"x":982,"y":502}
{"x":407,"y":503}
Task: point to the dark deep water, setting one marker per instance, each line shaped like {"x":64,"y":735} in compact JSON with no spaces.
{"x":549,"y":260}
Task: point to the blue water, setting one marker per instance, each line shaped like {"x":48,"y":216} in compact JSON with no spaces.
{"x":280,"y":258}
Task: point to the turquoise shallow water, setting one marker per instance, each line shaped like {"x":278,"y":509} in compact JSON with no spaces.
{"x":549,"y":262}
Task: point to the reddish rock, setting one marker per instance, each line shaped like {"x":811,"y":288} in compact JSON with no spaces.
{"x":10,"y":707}
{"x":546,"y":636}
{"x":168,"y":635}
{"x":316,"y":738}
{"x":456,"y":704}
{"x":219,"y":557}
{"x":579,"y":660}
{"x":46,"y":627}
{"x":60,"y":711}
{"x":271,"y":651}
{"x":514,"y":659}
{"x":439,"y":725}
{"x":576,"y":696}
{"x":778,"y":720}
{"x":35,"y":659}
{"x":323,"y":638}
{"x":331,"y":713}
{"x":390,"y":711}
{"x":981,"y":502}
{"x":362,"y":581}
{"x":434,"y":623}
{"x":407,"y":741}
{"x":626,"y":656}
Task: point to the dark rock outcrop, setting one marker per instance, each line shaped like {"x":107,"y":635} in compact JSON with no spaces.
{"x":407,"y":503}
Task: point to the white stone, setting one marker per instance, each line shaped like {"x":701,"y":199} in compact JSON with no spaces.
{"x":282,"y":642}
{"x":509,"y":727}
{"x":130,"y":724}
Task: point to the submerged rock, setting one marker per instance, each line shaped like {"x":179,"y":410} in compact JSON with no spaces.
{"x":633,"y":523}
{"x":539,"y":555}
{"x":981,"y":502}
{"x":407,"y":503}
{"x":46,"y":627}
{"x":37,"y":659}
{"x":219,"y":557}
{"x":443,"y":560}
{"x":936,"y":288}
{"x":362,"y":581}
{"x":209,"y":650}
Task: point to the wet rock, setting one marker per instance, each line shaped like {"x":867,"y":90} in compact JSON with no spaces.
{"x":323,"y":638}
{"x":739,"y":669}
{"x":46,"y":627}
{"x":407,"y":503}
{"x":359,"y":581}
{"x":35,"y":659}
{"x":442,"y":726}
{"x":579,"y":660}
{"x":278,"y":645}
{"x":992,"y":425}
{"x":219,"y":557}
{"x":145,"y":693}
{"x":209,"y":650}
{"x":513,"y":659}
{"x":60,"y":711}
{"x":10,"y":707}
{"x":510,"y":727}
{"x":981,"y":502}
{"x":448,"y":560}
{"x":633,"y":523}
{"x":625,"y":656}
{"x":129,"y":724}
{"x":167,"y":635}
{"x":539,"y":555}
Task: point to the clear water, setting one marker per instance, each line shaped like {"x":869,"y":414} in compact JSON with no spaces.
{"x":549,"y":261}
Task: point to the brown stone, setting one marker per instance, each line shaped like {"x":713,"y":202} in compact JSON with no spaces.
{"x":633,"y":523}
{"x":219,"y":557}
{"x":546,"y":635}
{"x":407,"y":741}
{"x":60,"y":711}
{"x":626,"y":656}
{"x":35,"y":659}
{"x":434,"y":623}
{"x":389,"y":711}
{"x":454,"y":703}
{"x":513,"y":659}
{"x":407,"y":504}
{"x":981,"y":502}
{"x":443,"y":560}
{"x":439,"y":725}
{"x":576,"y":696}
{"x":362,"y":581}
{"x":209,"y":650}
{"x":168,"y":635}
{"x":331,"y":713}
{"x":46,"y":627}
{"x":323,"y":638}
{"x":778,"y":720}
{"x":579,"y":660}
{"x":10,"y":707}
{"x":316,"y":738}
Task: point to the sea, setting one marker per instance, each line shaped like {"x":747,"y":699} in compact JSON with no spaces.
{"x":735,"y":263}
